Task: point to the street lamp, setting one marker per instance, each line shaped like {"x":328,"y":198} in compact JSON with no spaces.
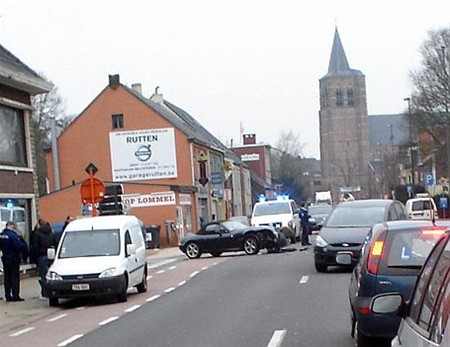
{"x":411,"y":144}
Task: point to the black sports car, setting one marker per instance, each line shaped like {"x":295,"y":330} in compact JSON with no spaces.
{"x":224,"y":236}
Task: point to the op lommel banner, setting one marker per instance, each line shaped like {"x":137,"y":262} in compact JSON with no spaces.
{"x":143,"y":154}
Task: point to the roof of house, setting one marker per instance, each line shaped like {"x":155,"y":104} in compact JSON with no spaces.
{"x":338,"y":65}
{"x":16,"y":74}
{"x":388,"y":129}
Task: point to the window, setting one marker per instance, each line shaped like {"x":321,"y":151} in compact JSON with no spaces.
{"x":339,"y":100}
{"x":13,"y":150}
{"x":117,"y":121}
{"x":350,"y":97}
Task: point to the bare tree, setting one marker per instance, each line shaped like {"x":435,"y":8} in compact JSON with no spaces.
{"x":431,"y":95}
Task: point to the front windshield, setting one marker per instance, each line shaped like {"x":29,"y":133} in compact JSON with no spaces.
{"x":351,"y":216}
{"x":314,"y":210}
{"x":233,"y":224}
{"x":272,"y":208}
{"x":90,"y":243}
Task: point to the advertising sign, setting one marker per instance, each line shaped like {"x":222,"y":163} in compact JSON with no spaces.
{"x":143,"y":154}
{"x":155,"y":199}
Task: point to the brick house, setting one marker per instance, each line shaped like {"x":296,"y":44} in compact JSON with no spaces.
{"x":156,"y":151}
{"x":18,"y":180}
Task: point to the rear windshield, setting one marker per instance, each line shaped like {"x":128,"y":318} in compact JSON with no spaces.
{"x":421,"y":205}
{"x":323,"y":209}
{"x":407,"y":250}
{"x":90,"y":243}
{"x":352,"y":216}
{"x":268,"y":209}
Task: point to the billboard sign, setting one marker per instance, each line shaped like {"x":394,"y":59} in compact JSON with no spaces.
{"x":143,"y":154}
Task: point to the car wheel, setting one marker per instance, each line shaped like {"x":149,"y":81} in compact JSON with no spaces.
{"x":251,"y":245}
{"x":122,"y":296}
{"x":53,"y":302}
{"x":193,"y":250}
{"x":142,"y":287}
{"x":320,"y":267}
{"x":216,"y":254}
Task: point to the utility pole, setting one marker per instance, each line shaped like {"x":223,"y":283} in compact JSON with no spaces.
{"x":411,"y":143}
{"x":446,"y":82}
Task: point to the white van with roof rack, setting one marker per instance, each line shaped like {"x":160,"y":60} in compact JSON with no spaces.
{"x":421,"y":207}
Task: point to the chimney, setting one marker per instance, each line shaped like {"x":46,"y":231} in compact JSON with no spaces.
{"x":249,"y":139}
{"x":137,"y":87}
{"x":114,"y":81}
{"x":156,"y":97}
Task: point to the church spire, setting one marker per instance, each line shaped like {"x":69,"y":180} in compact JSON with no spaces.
{"x":338,"y":60}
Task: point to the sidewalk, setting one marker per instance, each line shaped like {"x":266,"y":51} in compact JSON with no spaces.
{"x":14,"y":314}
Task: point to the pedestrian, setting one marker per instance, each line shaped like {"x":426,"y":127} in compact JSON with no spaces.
{"x":43,"y":239}
{"x":304,"y":221}
{"x":33,"y":256}
{"x":13,"y":248}
{"x":66,"y":223}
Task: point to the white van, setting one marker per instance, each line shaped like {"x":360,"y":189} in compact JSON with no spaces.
{"x":278,"y":213}
{"x":98,"y":256}
{"x":421,"y":208}
{"x":16,"y":214}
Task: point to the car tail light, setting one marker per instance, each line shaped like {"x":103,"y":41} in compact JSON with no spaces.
{"x":364,"y":310}
{"x":432,"y":231}
{"x":374,"y":256}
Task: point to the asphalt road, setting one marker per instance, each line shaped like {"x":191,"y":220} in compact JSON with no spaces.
{"x":248,"y":301}
{"x":234,"y":300}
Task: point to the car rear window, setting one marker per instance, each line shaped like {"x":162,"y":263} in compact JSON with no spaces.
{"x":421,"y":205}
{"x":405,"y":251}
{"x":272,"y":208}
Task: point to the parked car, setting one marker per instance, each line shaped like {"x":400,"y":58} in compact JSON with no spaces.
{"x":98,"y":256}
{"x":340,"y":240}
{"x":280,"y":214}
{"x":319,"y":214}
{"x":421,"y":208}
{"x":426,"y":317}
{"x":225,"y":236}
{"x":391,"y":261}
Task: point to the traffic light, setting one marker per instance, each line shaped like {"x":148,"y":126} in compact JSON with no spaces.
{"x":112,"y":201}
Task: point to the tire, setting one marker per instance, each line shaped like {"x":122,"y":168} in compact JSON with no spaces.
{"x":142,"y":287}
{"x":53,"y":302}
{"x":122,"y":296}
{"x":320,"y":267}
{"x":251,"y":245}
{"x":216,"y":254}
{"x":193,"y":250}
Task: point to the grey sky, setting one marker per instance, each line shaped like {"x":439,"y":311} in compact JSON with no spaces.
{"x":224,"y":62}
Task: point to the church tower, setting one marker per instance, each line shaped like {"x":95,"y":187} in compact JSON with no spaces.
{"x":344,"y":127}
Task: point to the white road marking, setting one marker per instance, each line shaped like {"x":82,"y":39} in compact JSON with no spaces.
{"x":20,"y":332}
{"x":204,"y":268}
{"x":57,"y":317}
{"x":181,"y":283}
{"x":154,"y":297}
{"x":277,"y":338}
{"x":80,"y":308}
{"x":160,"y":272}
{"x":172,"y":267}
{"x":132,"y":308}
{"x":109,"y":320}
{"x":168,"y":290}
{"x":70,"y":340}
{"x":304,"y":279}
{"x":195,"y":273}
{"x":149,"y":277}
{"x":161,"y":263}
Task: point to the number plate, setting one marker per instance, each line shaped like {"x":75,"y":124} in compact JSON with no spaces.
{"x":80,"y":286}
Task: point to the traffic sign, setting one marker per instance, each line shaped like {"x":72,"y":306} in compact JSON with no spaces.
{"x":92,"y":190}
{"x":429,"y":179}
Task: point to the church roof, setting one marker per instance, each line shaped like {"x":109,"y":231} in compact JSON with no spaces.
{"x":338,"y":65}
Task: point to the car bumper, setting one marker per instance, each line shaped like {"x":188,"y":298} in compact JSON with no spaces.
{"x":93,"y":287}
{"x":327,"y":255}
{"x":378,"y":325}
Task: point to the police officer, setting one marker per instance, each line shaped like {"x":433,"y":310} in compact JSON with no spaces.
{"x":304,"y":216}
{"x":13,"y":248}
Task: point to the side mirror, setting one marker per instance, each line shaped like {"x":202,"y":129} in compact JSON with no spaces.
{"x":387,"y":303}
{"x":51,"y":253}
{"x":131,"y":249}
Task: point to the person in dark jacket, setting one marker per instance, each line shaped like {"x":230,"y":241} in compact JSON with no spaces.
{"x":13,"y":248}
{"x":304,"y":221}
{"x":43,"y":239}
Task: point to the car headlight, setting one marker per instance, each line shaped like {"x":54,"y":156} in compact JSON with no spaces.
{"x":320,"y":242}
{"x":53,"y":276}
{"x":110,"y":273}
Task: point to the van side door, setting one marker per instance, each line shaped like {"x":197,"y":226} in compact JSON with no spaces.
{"x":131,"y":261}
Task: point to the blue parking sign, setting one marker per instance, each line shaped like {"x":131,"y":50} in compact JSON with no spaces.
{"x":429,"y":179}
{"x":443,"y":203}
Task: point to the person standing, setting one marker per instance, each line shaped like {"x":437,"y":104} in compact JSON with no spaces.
{"x":13,"y":249}
{"x":304,"y":217}
{"x":43,"y":239}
